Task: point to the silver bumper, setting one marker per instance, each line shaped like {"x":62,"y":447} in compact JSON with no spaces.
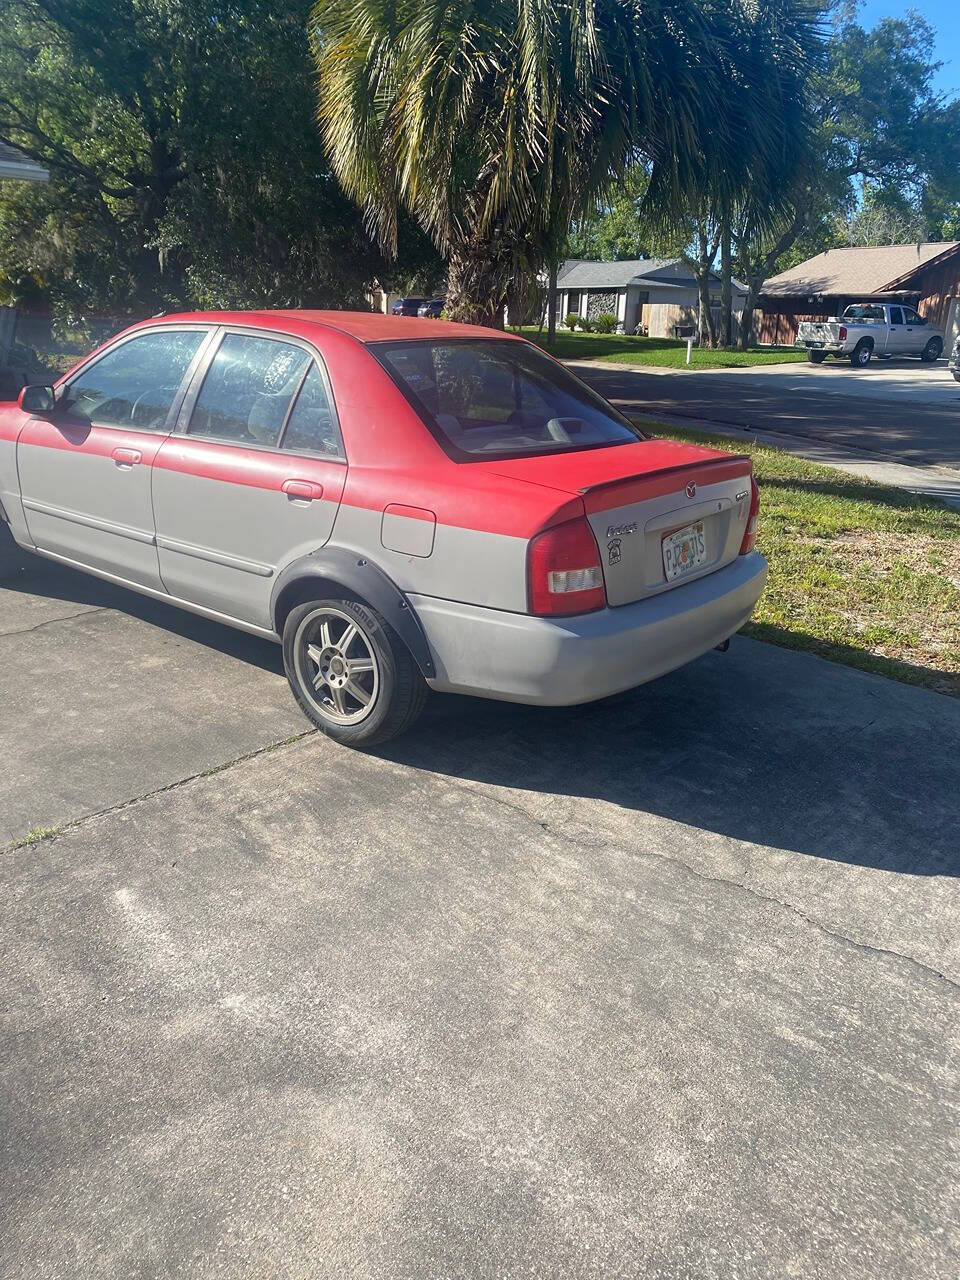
{"x":559,"y":662}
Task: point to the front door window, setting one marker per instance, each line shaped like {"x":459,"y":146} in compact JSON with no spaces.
{"x":135,"y":383}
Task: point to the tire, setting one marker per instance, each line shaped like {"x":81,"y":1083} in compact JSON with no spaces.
{"x":860,"y":355}
{"x":324,"y":672}
{"x":13,"y":561}
{"x":816,"y":357}
{"x":932,"y":351}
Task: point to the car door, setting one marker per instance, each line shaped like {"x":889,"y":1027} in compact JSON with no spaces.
{"x":252,"y":477}
{"x":85,"y":469}
{"x":914,"y":336}
{"x":897,"y":339}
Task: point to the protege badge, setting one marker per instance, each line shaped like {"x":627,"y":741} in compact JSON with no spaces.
{"x":621,"y":530}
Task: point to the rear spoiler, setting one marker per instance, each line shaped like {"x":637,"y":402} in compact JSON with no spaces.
{"x":617,"y":493}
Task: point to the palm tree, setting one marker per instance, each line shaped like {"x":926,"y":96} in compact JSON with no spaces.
{"x":495,"y":121}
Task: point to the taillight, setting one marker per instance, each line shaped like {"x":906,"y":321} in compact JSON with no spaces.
{"x":750,"y":533}
{"x":843,"y":333}
{"x":564,"y":573}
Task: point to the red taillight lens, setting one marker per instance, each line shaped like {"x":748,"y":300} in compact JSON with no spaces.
{"x":750,"y":533}
{"x":843,"y":332}
{"x":564,"y":573}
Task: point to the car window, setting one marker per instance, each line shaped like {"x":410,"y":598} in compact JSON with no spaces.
{"x":134,"y":385}
{"x":247,"y":390}
{"x":863,"y":311}
{"x":501,"y":398}
{"x":896,"y":315}
{"x":312,"y":425}
{"x":910,"y":316}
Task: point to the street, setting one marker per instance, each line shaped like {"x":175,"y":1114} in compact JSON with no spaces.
{"x":661,"y":987}
{"x":903,"y":410}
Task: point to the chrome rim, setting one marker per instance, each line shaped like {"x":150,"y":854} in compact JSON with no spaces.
{"x":337,"y":666}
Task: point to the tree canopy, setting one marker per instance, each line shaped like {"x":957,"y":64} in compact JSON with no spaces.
{"x":494,"y":122}
{"x":186,"y":164}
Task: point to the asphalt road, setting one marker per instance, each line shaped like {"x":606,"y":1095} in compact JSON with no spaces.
{"x":903,"y":410}
{"x":666,"y":987}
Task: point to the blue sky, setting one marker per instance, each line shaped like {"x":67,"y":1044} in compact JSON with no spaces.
{"x":943,"y":16}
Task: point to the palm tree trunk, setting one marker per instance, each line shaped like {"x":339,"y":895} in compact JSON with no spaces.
{"x":478,"y":283}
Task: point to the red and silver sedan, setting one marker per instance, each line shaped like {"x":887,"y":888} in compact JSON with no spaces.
{"x":402,"y":503}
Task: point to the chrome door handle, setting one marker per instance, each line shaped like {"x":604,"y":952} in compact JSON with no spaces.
{"x":302,"y":490}
{"x":126,"y":457}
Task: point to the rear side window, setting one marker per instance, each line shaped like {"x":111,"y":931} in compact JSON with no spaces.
{"x":502,"y":399}
{"x":312,"y":425}
{"x":134,"y":385}
{"x":248,"y":390}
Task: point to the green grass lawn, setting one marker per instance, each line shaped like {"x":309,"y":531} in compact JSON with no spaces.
{"x":622,"y":349}
{"x":859,"y":573}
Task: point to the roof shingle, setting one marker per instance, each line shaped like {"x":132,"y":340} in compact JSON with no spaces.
{"x":860,"y":269}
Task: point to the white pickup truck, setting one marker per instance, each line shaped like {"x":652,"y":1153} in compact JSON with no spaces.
{"x":868,"y":329}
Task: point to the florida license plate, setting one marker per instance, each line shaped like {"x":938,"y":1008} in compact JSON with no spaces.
{"x":684,"y":551}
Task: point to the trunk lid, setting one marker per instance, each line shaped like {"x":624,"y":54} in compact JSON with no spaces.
{"x":635,"y":496}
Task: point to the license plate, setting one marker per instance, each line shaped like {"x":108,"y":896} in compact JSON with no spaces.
{"x":684,"y":551}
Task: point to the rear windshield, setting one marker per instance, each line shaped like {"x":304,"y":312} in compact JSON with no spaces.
{"x":501,"y":399}
{"x":863,"y":312}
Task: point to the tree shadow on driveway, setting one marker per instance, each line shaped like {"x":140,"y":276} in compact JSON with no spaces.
{"x":764,"y":745}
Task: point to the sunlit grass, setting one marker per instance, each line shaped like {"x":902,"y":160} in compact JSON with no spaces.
{"x":859,"y":573}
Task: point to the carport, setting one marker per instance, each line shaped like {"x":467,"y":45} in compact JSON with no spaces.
{"x":14,"y":167}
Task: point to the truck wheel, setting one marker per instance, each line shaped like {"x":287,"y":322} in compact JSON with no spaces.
{"x":817,"y":357}
{"x":860,"y":355}
{"x":350,"y":672}
{"x":932,"y":351}
{"x":12,"y":560}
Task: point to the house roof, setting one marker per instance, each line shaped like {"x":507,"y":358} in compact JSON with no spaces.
{"x":861,"y":269}
{"x":580,"y":273}
{"x":14,"y":164}
{"x":577,"y":273}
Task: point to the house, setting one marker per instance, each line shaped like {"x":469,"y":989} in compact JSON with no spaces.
{"x":656,"y":294}
{"x":925,"y":275}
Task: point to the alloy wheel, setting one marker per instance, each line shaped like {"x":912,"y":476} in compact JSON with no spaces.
{"x":337,"y":665}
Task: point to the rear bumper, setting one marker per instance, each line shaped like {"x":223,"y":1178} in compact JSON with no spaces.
{"x":813,"y":344}
{"x":518,"y":658}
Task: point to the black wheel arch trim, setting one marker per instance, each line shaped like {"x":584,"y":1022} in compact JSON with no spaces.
{"x":364,"y":579}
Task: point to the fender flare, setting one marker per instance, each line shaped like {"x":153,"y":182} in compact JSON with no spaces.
{"x":364,"y":579}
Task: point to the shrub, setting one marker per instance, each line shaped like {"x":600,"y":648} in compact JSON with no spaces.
{"x":571,"y":320}
{"x":586,"y":324}
{"x":606,"y":322}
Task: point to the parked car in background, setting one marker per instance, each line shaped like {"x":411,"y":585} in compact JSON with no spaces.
{"x":402,"y":503}
{"x":954,"y":365}
{"x":407,"y":306}
{"x":868,"y":329}
{"x":432,"y":310}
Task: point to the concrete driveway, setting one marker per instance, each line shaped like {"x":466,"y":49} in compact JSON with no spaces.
{"x":902,"y":410}
{"x":661,"y":988}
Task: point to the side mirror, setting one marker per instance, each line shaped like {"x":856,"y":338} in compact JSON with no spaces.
{"x":922,"y":320}
{"x":36,"y":399}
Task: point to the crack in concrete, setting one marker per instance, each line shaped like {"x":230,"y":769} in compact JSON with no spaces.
{"x":545,"y":826}
{"x":74,"y":823}
{"x":49,"y":622}
{"x":757,"y":894}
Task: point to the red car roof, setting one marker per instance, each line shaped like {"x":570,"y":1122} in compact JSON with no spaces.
{"x":367,"y":326}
